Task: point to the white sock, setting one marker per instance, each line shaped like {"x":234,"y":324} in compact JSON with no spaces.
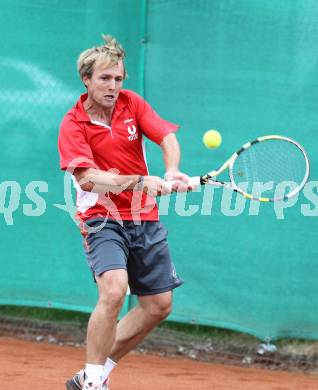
{"x":109,"y":365}
{"x":94,"y":373}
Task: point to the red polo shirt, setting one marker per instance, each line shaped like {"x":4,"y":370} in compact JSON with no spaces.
{"x":120,"y":147}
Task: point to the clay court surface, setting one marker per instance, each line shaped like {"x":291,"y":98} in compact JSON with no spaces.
{"x":29,"y":365}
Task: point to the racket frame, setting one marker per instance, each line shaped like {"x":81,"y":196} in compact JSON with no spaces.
{"x":210,"y":178}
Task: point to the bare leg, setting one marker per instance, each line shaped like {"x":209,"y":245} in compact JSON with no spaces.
{"x":138,"y":322}
{"x":101,"y":330}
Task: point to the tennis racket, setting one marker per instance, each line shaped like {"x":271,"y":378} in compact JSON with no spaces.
{"x":270,"y":168}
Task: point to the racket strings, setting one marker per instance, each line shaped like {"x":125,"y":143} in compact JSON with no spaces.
{"x":267,"y":167}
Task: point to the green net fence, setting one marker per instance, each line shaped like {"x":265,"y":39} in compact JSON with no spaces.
{"x":246,"y":68}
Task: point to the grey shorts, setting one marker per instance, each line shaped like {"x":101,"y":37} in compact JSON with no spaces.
{"x":140,"y":249}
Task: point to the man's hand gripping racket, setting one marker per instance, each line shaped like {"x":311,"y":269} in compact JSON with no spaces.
{"x":273,"y":165}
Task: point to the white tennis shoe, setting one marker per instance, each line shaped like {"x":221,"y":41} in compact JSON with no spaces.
{"x":79,"y":382}
{"x":90,"y":386}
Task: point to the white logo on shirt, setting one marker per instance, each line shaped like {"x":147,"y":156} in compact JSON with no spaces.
{"x":128,"y":120}
{"x":132,"y":130}
{"x":133,"y":133}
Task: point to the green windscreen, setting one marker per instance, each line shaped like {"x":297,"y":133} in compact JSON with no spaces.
{"x":246,"y":68}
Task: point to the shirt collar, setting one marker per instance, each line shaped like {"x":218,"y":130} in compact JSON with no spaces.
{"x":81,"y":114}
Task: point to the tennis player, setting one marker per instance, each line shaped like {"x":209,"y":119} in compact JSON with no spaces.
{"x":101,"y":144}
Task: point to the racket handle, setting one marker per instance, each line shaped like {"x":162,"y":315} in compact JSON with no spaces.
{"x":193,"y":182}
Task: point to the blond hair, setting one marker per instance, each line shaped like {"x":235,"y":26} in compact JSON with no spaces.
{"x":110,"y":53}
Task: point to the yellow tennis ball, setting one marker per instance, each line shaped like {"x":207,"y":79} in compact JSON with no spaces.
{"x":212,"y":139}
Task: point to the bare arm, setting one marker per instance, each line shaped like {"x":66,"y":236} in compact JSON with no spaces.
{"x":171,"y":156}
{"x":94,"y":180}
{"x":171,"y":152}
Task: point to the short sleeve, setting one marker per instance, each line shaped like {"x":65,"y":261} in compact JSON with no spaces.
{"x":73,"y":148}
{"x":151,"y":124}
